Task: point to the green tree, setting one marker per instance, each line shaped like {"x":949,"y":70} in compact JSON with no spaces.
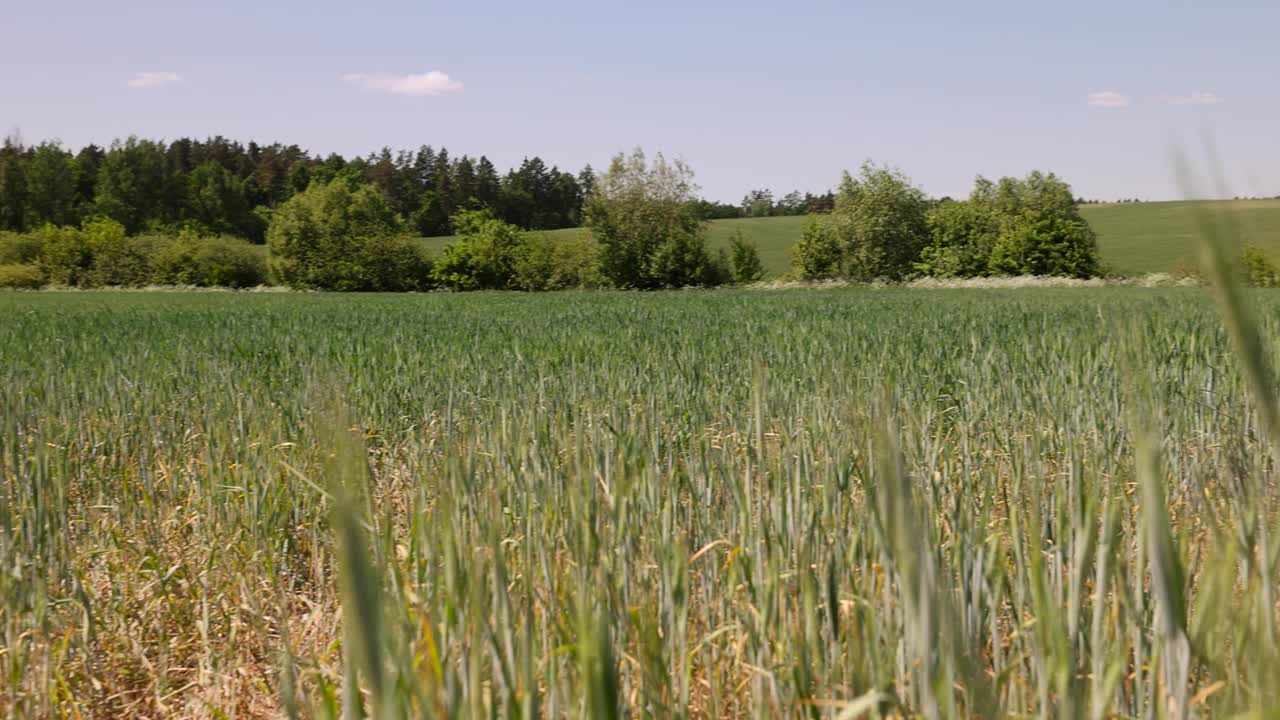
{"x":216,"y":200}
{"x":879,"y":221}
{"x":745,"y":264}
{"x":818,"y":254}
{"x":65,"y":256}
{"x":13,"y":185}
{"x":484,"y":255}
{"x":649,"y":230}
{"x":546,"y":262}
{"x":208,"y":262}
{"x":1046,"y":247}
{"x":51,"y":187}
{"x":961,"y":235}
{"x":1041,"y":230}
{"x":132,"y":183}
{"x":116,"y":259}
{"x":341,"y":236}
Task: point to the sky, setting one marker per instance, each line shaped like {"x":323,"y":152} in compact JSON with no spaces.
{"x":751,"y":94}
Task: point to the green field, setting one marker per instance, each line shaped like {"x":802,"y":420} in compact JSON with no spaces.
{"x":1133,"y":238}
{"x":735,"y":503}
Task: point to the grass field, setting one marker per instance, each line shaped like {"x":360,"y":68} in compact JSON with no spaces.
{"x":683,"y":504}
{"x":1133,"y":238}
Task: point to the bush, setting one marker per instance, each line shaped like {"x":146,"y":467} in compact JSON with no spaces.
{"x":879,"y":219}
{"x":65,"y":255}
{"x":961,"y":236}
{"x":115,"y":258}
{"x":1258,"y":269}
{"x":1046,"y":247}
{"x":645,"y":217}
{"x":544,"y":263}
{"x":744,"y":259}
{"x":209,"y":262}
{"x":19,"y":249}
{"x":682,"y":260}
{"x":1041,"y":231}
{"x":339,"y":236}
{"x":817,"y":255}
{"x":484,"y":255}
{"x":17,"y":276}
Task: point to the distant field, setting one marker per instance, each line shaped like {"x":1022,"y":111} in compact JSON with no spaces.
{"x":1133,"y":237}
{"x":1157,"y":237}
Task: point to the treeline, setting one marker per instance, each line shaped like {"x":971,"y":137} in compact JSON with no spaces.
{"x":884,"y":227}
{"x":222,"y":187}
{"x":644,"y":228}
{"x":225,"y":187}
{"x":218,"y":186}
{"x":145,"y":212}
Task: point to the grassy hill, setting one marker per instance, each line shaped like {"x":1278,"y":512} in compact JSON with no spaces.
{"x":1157,"y":237}
{"x":1134,"y":238}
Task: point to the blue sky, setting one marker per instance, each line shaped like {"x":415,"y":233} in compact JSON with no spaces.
{"x":778,"y":95}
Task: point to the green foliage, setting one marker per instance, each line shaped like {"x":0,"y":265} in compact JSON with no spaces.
{"x":342,"y":237}
{"x":20,"y":277}
{"x":745,"y":265}
{"x":216,"y":201}
{"x":548,"y":262}
{"x":1046,"y":247}
{"x":65,"y":255}
{"x":19,"y":248}
{"x":876,"y":230}
{"x":1038,"y":195}
{"x":132,"y":185}
{"x":649,"y":230}
{"x":484,"y":255}
{"x":208,"y":262}
{"x":818,"y":252}
{"x":13,"y":186}
{"x":51,"y":187}
{"x":117,"y":259}
{"x":1259,"y":270}
{"x":962,"y":235}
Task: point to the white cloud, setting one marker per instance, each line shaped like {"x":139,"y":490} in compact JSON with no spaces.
{"x":1108,"y":99}
{"x":422,"y":84}
{"x":154,"y":79}
{"x":1196,"y":98}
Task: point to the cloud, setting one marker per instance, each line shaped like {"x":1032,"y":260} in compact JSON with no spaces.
{"x":422,"y":84}
{"x":154,"y":79}
{"x":1108,"y":99}
{"x":1196,"y":98}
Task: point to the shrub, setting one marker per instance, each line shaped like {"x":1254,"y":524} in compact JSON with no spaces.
{"x":339,"y":236}
{"x":645,"y":217}
{"x":744,"y":259}
{"x":484,"y":255}
{"x":817,"y":255}
{"x":18,"y":276}
{"x":209,"y":262}
{"x":682,"y":260}
{"x":19,"y":248}
{"x":1046,"y":247}
{"x":961,"y":235}
{"x":65,"y":255}
{"x":1041,"y":231}
{"x":879,"y":221}
{"x":116,"y":259}
{"x":1258,"y":269}
{"x":544,"y":263}
{"x":395,"y":263}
